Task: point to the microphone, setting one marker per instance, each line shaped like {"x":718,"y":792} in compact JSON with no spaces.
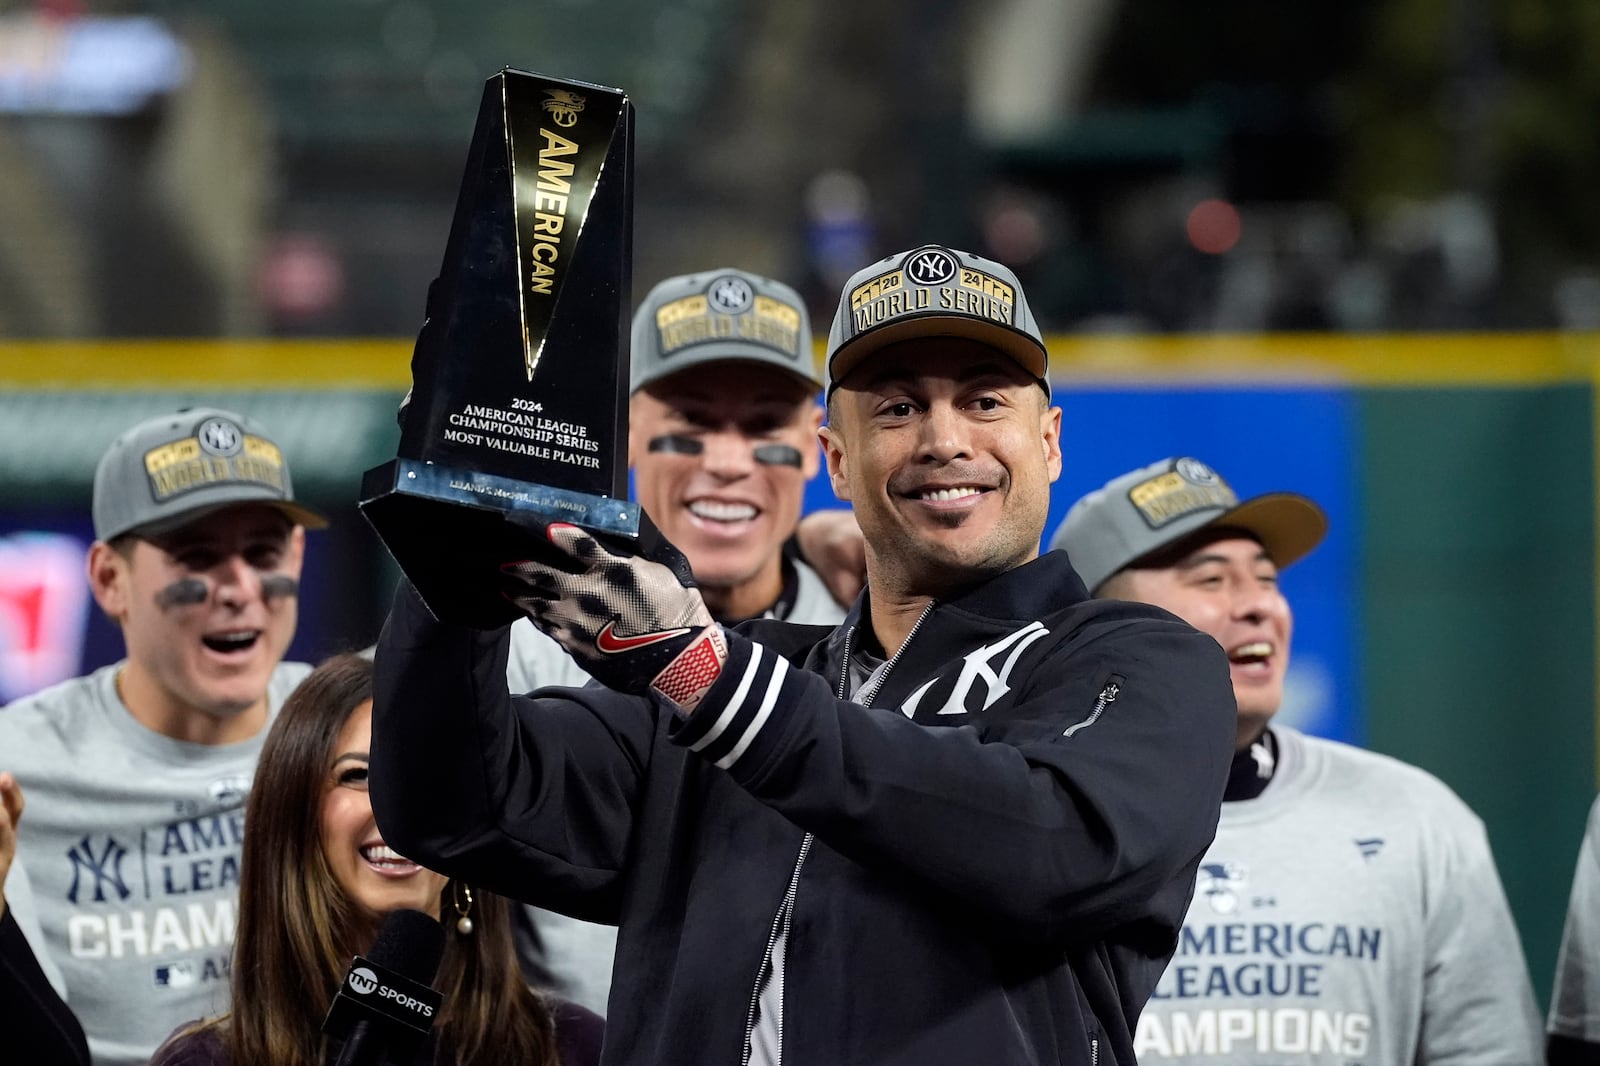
{"x":386,"y":1007}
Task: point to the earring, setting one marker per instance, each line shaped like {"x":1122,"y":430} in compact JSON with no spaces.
{"x":458,"y":890}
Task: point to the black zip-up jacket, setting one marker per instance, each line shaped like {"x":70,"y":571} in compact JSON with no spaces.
{"x":38,"y":1027}
{"x":1005,"y":841}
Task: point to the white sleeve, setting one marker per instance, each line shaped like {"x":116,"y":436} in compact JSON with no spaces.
{"x":537,"y":661}
{"x":1575,"y":999}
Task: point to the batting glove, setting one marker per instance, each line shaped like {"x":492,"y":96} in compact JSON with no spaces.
{"x":637,"y":624}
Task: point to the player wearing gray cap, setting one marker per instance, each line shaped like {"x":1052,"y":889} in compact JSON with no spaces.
{"x":136,"y":775}
{"x":961,"y":827}
{"x":1349,"y":909}
{"x":722,"y":440}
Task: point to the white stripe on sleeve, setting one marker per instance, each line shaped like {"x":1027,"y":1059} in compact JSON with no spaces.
{"x":734,"y":702}
{"x":779,"y":669}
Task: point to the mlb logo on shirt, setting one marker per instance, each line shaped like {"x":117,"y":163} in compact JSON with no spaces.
{"x":175,"y":975}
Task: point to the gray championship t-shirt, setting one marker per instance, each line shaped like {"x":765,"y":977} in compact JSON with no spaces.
{"x":1350,"y":915}
{"x":579,"y":954}
{"x":131,"y":843}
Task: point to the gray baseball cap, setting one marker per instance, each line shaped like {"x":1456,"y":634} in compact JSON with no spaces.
{"x":1147,"y":509}
{"x":934,"y":291}
{"x":719,"y":316}
{"x":168,"y":471}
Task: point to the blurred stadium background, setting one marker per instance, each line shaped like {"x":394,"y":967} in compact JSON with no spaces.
{"x":1344,"y":248}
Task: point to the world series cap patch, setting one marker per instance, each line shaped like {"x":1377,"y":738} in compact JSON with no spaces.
{"x":1190,"y":486}
{"x":218,"y":453}
{"x":931,"y":280}
{"x":729,"y":310}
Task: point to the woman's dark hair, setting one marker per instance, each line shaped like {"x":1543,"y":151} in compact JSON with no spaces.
{"x":297,"y":930}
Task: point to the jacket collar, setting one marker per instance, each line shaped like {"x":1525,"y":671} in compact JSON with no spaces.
{"x":1022,"y":594}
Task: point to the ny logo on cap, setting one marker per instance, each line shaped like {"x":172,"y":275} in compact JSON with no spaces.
{"x":219,"y":437}
{"x":1197,"y":472}
{"x":931,"y":266}
{"x":730,"y":295}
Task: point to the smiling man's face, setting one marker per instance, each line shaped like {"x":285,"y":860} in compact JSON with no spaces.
{"x":207,"y":612}
{"x":946,"y":449}
{"x":721,"y":454}
{"x":1223,"y":583}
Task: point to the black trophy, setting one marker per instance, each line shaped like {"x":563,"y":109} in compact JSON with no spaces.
{"x":519,"y":377}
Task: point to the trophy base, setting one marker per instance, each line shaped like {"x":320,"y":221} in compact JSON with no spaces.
{"x":449,"y":531}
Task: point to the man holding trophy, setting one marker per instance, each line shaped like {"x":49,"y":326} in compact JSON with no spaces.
{"x":962,"y":826}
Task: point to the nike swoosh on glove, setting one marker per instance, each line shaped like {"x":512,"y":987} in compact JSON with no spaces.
{"x":637,"y":624}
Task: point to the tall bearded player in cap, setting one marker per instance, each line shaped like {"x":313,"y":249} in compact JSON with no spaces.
{"x":136,"y":775}
{"x":960,"y":827}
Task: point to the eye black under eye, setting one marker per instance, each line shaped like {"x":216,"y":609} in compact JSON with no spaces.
{"x":677,"y":444}
{"x":778,"y":455}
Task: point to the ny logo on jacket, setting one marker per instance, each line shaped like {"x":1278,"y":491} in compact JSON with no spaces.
{"x":978,"y":665}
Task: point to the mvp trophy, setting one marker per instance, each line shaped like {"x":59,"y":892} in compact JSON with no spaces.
{"x":519,"y":379}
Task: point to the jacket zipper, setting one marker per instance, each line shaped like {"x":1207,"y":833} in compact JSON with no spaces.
{"x":844,"y":663}
{"x":1108,"y":696}
{"x":867,"y":697}
{"x":780,"y":927}
{"x":785,"y":916}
